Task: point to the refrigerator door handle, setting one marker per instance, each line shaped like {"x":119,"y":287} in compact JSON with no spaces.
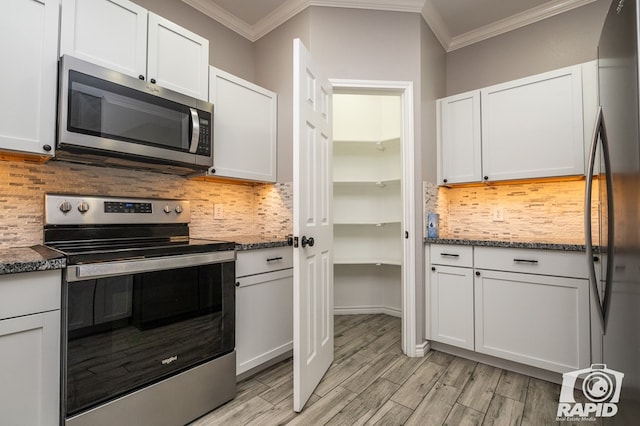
{"x":602,"y":303}
{"x":593,"y":279}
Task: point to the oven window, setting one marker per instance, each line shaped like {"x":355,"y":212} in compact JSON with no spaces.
{"x":105,"y":109}
{"x":127,"y":332}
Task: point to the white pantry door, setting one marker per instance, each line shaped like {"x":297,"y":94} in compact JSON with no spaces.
{"x":312,"y":226}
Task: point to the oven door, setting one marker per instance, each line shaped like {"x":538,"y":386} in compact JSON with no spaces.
{"x":129,"y":324}
{"x":102,"y":111}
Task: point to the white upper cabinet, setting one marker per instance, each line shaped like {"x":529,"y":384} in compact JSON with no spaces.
{"x":29,"y":40}
{"x":527,"y":128}
{"x":245,"y":128}
{"x":110,"y":33}
{"x":532,"y":127}
{"x":125,"y":37}
{"x":459,"y":139}
{"x":177,"y":58}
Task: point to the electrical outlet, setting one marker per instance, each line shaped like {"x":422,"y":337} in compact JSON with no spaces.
{"x":498,"y":214}
{"x":218,"y":211}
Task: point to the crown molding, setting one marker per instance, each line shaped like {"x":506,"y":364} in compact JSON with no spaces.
{"x":291,"y":8}
{"x":536,"y":14}
{"x":429,"y":13}
{"x":434,"y":20}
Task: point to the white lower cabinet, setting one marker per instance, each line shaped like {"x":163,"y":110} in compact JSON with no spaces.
{"x":542,"y":321}
{"x":524,"y":305}
{"x":264,"y":306}
{"x":30,"y":348}
{"x":452,"y":305}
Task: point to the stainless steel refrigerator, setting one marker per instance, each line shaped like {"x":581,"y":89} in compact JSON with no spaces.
{"x":612,"y":216}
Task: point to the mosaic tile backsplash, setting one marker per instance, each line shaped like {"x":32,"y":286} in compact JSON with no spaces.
{"x":545,"y":212}
{"x":249,"y":209}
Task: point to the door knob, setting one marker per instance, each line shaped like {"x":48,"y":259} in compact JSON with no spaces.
{"x":307,"y":241}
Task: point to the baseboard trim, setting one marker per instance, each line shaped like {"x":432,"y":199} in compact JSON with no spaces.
{"x":367,"y":310}
{"x":422,"y":349}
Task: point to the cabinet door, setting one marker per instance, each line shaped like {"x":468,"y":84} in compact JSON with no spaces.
{"x":29,"y":44}
{"x":533,"y":127}
{"x":537,"y":320}
{"x":30,"y":369}
{"x":177,"y":58}
{"x":245,"y":121}
{"x":264,"y":318}
{"x":459,"y":142}
{"x":452,"y":306}
{"x":110,"y":33}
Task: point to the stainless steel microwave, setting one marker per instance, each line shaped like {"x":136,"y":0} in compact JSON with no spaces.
{"x":112,"y":119}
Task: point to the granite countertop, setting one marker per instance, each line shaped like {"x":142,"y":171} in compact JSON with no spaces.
{"x":30,"y":259}
{"x":256,"y":242}
{"x":507,"y":244}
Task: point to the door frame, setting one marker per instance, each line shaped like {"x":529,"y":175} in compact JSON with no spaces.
{"x":404,"y":89}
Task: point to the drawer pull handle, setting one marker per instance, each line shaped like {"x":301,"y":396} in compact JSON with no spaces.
{"x":449,"y":255}
{"x":273,"y":259}
{"x":533,"y":262}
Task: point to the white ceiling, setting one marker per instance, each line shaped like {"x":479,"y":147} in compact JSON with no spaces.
{"x":456,"y":23}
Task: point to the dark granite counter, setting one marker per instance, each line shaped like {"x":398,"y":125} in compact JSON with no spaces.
{"x":29,"y":259}
{"x":256,"y":242}
{"x":507,"y":244}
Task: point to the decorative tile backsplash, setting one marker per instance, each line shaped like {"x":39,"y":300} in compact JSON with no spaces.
{"x":249,"y":209}
{"x":550,"y":212}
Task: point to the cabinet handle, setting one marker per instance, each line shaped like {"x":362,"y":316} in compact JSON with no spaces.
{"x":477,"y":273}
{"x":449,"y":255}
{"x":273,"y":259}
{"x":486,"y":178}
{"x":153,"y":81}
{"x":46,"y":148}
{"x":596,"y":259}
{"x":433,"y":268}
{"x":525,"y":261}
{"x":237,"y":283}
{"x":141,"y":77}
{"x":444,"y":180}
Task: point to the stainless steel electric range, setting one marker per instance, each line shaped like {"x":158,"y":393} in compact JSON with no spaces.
{"x":148,"y":314}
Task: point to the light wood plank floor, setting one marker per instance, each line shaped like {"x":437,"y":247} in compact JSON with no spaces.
{"x":372,"y":383}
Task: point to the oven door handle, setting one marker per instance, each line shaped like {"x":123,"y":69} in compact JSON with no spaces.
{"x":126,"y":267}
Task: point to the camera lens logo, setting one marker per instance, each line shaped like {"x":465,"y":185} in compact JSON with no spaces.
{"x":600,"y":385}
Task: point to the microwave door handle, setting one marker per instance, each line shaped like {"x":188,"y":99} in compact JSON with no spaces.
{"x":195,"y":131}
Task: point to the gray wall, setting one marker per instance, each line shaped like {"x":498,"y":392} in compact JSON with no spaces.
{"x":566,"y":39}
{"x":227,"y":50}
{"x":273,"y":56}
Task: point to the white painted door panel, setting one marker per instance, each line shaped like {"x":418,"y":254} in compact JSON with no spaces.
{"x":110,"y":33}
{"x":264,"y":318}
{"x":537,"y":320}
{"x":533,"y":127}
{"x":313,"y":193}
{"x":459,"y":142}
{"x":29,"y":47}
{"x":452,"y":306}
{"x":245,"y":122}
{"x":177,"y":58}
{"x":30,"y":369}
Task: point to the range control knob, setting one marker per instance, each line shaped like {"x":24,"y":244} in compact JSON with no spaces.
{"x":65,"y":207}
{"x":179,"y":209}
{"x":167,"y":209}
{"x":83,"y":207}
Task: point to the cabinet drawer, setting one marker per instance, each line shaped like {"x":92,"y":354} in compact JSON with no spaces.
{"x":29,"y":293}
{"x":252,"y":262}
{"x":451,"y":254}
{"x":532,"y":261}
